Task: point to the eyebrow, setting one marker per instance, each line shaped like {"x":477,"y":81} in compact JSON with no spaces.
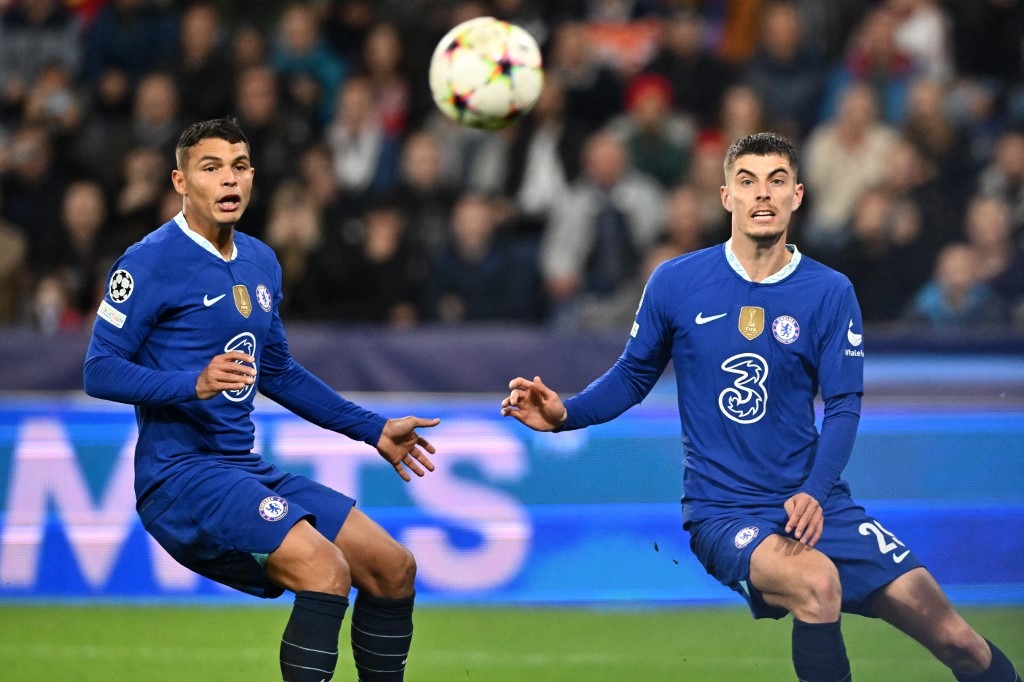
{"x":208,"y":157}
{"x":780,"y":169}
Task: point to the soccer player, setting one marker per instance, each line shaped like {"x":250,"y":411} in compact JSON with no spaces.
{"x":187,"y":332}
{"x":755,"y":330}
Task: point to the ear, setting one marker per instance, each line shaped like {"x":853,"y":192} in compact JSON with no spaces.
{"x":726,"y":198}
{"x":798,"y":196}
{"x":178,"y":180}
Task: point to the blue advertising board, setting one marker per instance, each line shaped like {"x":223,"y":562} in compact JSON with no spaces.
{"x":510,"y":516}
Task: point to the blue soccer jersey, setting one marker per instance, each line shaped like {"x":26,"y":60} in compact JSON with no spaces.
{"x":749,"y":358}
{"x":172,"y":304}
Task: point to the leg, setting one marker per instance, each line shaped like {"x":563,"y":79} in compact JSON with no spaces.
{"x":315,"y":570}
{"x":384,"y":572}
{"x":805,"y":582}
{"x":915,"y":604}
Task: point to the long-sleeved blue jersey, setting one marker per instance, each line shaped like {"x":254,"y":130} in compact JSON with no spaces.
{"x":749,"y":358}
{"x":172,"y":304}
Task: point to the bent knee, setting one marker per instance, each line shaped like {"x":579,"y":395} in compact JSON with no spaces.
{"x":392,"y":575}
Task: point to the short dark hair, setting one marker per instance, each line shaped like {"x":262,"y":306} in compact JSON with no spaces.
{"x":761,"y":144}
{"x":226,"y":129}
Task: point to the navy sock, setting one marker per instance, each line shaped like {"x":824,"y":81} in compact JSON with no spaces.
{"x":1000,"y":670}
{"x":309,"y":646}
{"x":819,"y":654}
{"x":381,"y":636}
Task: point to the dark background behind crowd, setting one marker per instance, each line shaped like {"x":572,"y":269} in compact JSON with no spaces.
{"x":908,"y":115}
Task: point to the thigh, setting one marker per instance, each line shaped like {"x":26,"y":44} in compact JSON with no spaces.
{"x":915,"y":604}
{"x":867,"y":555}
{"x":724,"y":546}
{"x":222,"y":525}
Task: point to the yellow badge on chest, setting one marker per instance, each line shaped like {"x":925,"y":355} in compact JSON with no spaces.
{"x":751,"y":321}
{"x":244,"y":303}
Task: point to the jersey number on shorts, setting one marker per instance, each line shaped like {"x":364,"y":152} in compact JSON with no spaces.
{"x":883,"y":536}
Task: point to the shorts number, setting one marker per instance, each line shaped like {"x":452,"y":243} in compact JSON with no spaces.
{"x":884,"y":545}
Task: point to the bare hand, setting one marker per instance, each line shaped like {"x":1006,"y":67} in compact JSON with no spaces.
{"x":534,"y":404}
{"x":806,"y":519}
{"x":400,"y":445}
{"x":226,"y":372}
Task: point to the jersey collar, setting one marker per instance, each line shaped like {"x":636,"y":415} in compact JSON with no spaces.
{"x":201,"y":240}
{"x":782,"y":274}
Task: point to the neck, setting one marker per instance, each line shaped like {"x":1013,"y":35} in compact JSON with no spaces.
{"x":761,"y":258}
{"x":221,"y":236}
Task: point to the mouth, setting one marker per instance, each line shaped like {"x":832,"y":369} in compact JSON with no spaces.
{"x":229,"y":203}
{"x":763,"y":215}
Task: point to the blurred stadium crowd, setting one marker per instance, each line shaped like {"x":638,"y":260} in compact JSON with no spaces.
{"x":908,"y":114}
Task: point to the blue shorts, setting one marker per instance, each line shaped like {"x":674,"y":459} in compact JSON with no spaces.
{"x":867,"y":555}
{"x":224,"y":521}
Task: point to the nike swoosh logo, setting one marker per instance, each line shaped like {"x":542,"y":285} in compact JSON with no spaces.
{"x":898,"y":558}
{"x":700,"y":319}
{"x":854,"y":339}
{"x":207,"y":301}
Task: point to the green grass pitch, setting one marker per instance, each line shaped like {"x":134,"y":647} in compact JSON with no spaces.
{"x":486,"y":644}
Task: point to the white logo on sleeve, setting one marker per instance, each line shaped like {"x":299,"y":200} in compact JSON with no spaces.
{"x":121,"y":286}
{"x":854,"y":339}
{"x":112,"y":315}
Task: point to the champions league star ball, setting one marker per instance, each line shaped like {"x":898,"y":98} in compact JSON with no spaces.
{"x":486,"y":73}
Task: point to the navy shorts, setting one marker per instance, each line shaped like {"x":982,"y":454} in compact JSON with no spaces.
{"x":867,"y":555}
{"x":224,"y":521}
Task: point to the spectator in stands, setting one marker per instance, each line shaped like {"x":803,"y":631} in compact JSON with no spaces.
{"x":54,"y":101}
{"x":482,"y":274}
{"x":593,"y":91}
{"x":52,"y":309}
{"x":341,"y":212}
{"x":249,"y":47}
{"x":295,"y":232}
{"x":84,"y":252}
{"x":1004,"y":175}
{"x":698,"y":75}
{"x":32,"y":190}
{"x":989,"y":232}
{"x":14,"y":271}
{"x":842,"y":158}
{"x":374,"y":278}
{"x":923,"y":32}
{"x":659,"y":139}
{"x":709,"y":155}
{"x":874,"y":261}
{"x":35,"y":35}
{"x":136,"y":205}
{"x":199,"y":63}
{"x":785,"y":72}
{"x":134,"y":37}
{"x":872,"y":57}
{"x":599,"y":231}
{"x":312,"y":72}
{"x":276,"y":135}
{"x":108,"y":117}
{"x":543,"y":159}
{"x":425,"y":194}
{"x":930,"y":127}
{"x":383,"y":61}
{"x":365,"y":154}
{"x":956,"y":297}
{"x":742,"y":114}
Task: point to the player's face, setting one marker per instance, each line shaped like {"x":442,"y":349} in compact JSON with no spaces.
{"x":761,"y":192}
{"x":216,"y":183}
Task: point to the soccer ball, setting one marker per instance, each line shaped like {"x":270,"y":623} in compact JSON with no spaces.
{"x":486,"y":73}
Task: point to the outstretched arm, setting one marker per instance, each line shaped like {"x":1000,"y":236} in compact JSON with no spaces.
{"x":534,"y":404}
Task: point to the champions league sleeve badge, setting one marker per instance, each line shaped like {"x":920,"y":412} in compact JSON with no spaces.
{"x":121,"y":286}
